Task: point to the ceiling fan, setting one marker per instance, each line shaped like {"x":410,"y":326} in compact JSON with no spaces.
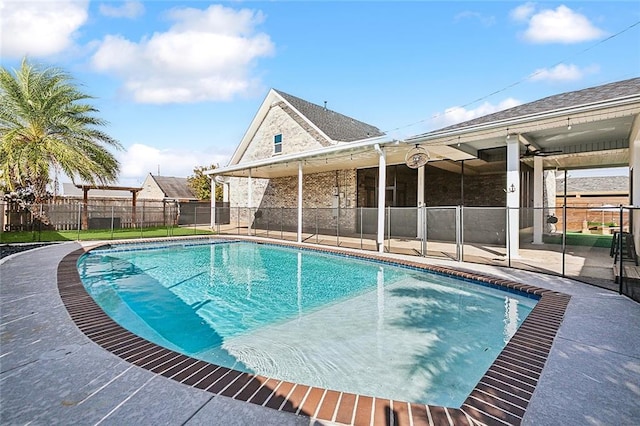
{"x":416,"y":157}
{"x":530,"y":151}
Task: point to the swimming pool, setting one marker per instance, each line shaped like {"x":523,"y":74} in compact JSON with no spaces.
{"x":320,"y":319}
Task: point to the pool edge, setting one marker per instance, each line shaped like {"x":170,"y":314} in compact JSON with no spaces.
{"x":500,"y":397}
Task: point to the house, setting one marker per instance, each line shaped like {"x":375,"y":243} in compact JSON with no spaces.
{"x":291,"y":158}
{"x":166,"y":188}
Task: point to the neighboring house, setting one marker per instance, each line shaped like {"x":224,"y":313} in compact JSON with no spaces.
{"x":299,"y":156}
{"x":176,"y":192}
{"x":166,"y":188}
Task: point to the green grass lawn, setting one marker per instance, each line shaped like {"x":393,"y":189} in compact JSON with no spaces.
{"x":91,"y":235}
{"x":580,"y":239}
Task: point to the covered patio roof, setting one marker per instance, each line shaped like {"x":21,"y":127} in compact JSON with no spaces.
{"x":570,"y":131}
{"x":360,"y":154}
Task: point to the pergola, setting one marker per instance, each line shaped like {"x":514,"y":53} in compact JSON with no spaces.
{"x":85,"y":200}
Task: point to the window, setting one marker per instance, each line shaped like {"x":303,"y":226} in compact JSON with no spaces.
{"x":277,"y":144}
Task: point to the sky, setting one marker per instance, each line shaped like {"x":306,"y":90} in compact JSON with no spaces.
{"x":180,"y":82}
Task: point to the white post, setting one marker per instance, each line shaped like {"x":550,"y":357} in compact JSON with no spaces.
{"x":249,"y":201}
{"x":300,"y":201}
{"x":382,"y":189}
{"x":513,"y":197}
{"x":213,"y":204}
{"x":538,"y":201}
{"x":420,"y":201}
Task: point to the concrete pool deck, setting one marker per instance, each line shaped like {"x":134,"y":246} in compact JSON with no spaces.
{"x":50,"y":372}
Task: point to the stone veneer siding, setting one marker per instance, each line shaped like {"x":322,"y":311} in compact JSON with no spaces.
{"x":297,"y":135}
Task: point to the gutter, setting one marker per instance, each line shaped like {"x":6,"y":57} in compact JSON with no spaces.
{"x":349,"y":146}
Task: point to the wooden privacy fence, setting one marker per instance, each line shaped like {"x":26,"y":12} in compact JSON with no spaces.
{"x":66,"y":215}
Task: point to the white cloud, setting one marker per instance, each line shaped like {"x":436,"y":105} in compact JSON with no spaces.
{"x":207,"y":55}
{"x":456,"y":114}
{"x":139,"y":160}
{"x":129,"y":9}
{"x":39,"y":28}
{"x":561,"y":25}
{"x":563,"y":72}
{"x":522,"y":12}
{"x":485,"y":20}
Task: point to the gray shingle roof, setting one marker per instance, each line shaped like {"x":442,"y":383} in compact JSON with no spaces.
{"x":594,"y":184}
{"x":591,"y":95}
{"x":337,"y":126}
{"x":174,"y":187}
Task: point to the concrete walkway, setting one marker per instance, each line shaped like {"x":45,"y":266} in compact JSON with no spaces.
{"x":50,"y":373}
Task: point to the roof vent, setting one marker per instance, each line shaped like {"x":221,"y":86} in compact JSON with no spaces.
{"x":325,"y":105}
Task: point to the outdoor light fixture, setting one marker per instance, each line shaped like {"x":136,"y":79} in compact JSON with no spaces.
{"x":511,"y":189}
{"x":568,"y":123}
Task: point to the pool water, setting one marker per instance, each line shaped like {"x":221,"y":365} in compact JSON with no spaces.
{"x":314,"y":318}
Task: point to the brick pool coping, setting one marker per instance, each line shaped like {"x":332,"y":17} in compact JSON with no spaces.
{"x":500,"y":397}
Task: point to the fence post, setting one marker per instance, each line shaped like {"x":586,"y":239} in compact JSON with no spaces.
{"x":388,"y":228}
{"x":338,"y":226}
{"x":620,"y":236}
{"x":461,"y":233}
{"x":360,"y":228}
{"x":112,"y":222}
{"x":195,"y":220}
{"x":79,"y":219}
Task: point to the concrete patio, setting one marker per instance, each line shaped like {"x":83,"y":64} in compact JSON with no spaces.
{"x":51,"y":373}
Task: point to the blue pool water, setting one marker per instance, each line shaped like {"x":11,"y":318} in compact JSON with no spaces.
{"x":308,"y":317}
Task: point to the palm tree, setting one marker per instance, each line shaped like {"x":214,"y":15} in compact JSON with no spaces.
{"x":46,"y":125}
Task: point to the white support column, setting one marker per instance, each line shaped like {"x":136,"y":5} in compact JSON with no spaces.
{"x":513,"y":197}
{"x":421,"y":171}
{"x":249,"y":202}
{"x":213,"y":204}
{"x":538,"y":200}
{"x":225,"y":192}
{"x":382,"y":190}
{"x":300,"y":201}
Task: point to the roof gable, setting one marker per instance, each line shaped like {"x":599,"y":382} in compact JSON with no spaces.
{"x":618,"y":89}
{"x":326,"y":126}
{"x":174,"y":187}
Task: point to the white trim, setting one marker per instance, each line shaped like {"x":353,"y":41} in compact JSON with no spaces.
{"x":302,"y":155}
